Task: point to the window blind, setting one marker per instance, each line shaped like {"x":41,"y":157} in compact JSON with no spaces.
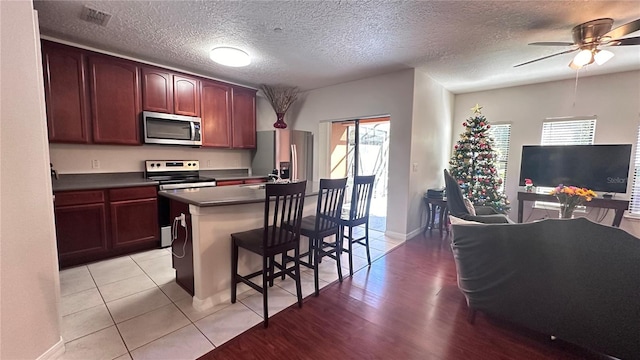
{"x":501,"y":134}
{"x":573,"y":132}
{"x":634,"y":205}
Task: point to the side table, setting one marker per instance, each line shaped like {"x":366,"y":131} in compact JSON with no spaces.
{"x":436,"y":206}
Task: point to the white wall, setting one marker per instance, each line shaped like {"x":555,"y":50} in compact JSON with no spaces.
{"x":29,"y":284}
{"x":614,"y":99}
{"x":430,"y":141}
{"x":77,"y":158}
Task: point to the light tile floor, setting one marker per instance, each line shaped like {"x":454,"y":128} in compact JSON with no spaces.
{"x":131,"y":308}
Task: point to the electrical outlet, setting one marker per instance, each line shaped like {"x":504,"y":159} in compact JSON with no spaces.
{"x":415,"y":167}
{"x":209,"y":163}
{"x":95,"y":164}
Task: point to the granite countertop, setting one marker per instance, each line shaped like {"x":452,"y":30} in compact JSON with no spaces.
{"x":225,"y":195}
{"x":67,"y":182}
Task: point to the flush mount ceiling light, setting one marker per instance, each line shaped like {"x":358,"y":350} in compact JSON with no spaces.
{"x":229,"y":56}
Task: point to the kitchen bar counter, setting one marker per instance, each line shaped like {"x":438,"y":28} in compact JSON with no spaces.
{"x":68,"y":182}
{"x":212,"y":215}
{"x":225,"y":195}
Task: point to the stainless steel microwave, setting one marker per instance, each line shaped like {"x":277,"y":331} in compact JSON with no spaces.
{"x":169,"y":129}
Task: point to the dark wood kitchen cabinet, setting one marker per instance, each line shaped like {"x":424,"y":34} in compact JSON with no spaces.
{"x":166,"y":92}
{"x":186,"y":95}
{"x":98,"y":224}
{"x":134,"y":216}
{"x":65,"y":92}
{"x":243,"y":118}
{"x":216,"y":114}
{"x":81,"y":226}
{"x":115,"y":100}
{"x":157,"y":90}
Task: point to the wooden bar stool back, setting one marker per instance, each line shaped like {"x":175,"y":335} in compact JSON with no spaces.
{"x":325,"y":223}
{"x":280,"y":233}
{"x":358,"y":215}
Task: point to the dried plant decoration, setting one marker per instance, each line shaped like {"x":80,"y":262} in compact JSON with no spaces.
{"x":281,"y":98}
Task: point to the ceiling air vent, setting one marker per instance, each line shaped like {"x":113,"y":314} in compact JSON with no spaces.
{"x":95,"y":16}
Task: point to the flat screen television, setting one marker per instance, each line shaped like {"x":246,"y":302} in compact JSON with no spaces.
{"x":602,"y":168}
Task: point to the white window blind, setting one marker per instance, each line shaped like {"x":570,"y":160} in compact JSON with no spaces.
{"x":634,"y":205}
{"x":565,"y":132}
{"x":501,"y":133}
{"x":572,"y":132}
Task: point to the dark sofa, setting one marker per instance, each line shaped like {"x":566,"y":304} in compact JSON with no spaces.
{"x":573,"y":279}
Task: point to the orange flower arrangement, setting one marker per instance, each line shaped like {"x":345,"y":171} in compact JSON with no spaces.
{"x":570,"y":197}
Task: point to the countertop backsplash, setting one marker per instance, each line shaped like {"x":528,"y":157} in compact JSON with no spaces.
{"x":84,"y":159}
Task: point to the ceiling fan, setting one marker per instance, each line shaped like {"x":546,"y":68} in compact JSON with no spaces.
{"x":588,"y":37}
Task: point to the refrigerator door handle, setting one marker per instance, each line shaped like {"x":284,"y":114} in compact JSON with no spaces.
{"x":294,"y":163}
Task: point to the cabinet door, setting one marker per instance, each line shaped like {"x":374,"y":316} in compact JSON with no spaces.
{"x":216,"y":115}
{"x":134,"y":222}
{"x":65,"y":93}
{"x":81,"y":232}
{"x":244,"y":118}
{"x":186,"y":95}
{"x":157,"y":90}
{"x":115,"y":101}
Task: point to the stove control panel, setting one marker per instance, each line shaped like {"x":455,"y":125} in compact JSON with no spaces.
{"x":171,"y":165}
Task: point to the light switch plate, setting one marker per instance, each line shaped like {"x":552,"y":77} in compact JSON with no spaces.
{"x":95,"y":164}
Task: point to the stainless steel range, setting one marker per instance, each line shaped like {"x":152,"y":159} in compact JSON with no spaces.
{"x":173,"y":174}
{"x":177,"y":174}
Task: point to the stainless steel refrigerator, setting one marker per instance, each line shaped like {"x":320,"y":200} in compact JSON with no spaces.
{"x":289,"y":151}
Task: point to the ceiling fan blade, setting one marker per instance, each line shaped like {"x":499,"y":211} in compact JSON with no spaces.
{"x":546,"y":57}
{"x":628,"y":41}
{"x":623,"y":30}
{"x":551,"y":43}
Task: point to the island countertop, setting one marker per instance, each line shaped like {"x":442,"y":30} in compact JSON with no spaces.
{"x":225,"y":195}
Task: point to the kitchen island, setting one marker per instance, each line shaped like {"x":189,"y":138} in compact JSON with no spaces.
{"x":202,"y":249}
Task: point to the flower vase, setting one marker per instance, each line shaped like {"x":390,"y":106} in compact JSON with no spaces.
{"x":280,"y":124}
{"x":566,"y":211}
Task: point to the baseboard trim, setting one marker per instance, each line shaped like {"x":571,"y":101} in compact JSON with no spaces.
{"x":54,"y":352}
{"x":403,"y":237}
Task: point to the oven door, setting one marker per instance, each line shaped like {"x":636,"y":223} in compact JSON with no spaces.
{"x":171,"y":129}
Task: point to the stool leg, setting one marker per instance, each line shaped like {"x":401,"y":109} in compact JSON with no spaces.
{"x":428,"y":206}
{"x":234,"y":271}
{"x":265,"y":286}
{"x":338,"y":253}
{"x":271,"y":270}
{"x":433,"y":217}
{"x":316,"y":270}
{"x":350,"y":250}
{"x":297,"y":278}
{"x":366,"y":241}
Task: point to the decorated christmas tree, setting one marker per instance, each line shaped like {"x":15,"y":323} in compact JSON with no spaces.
{"x":473,"y":164}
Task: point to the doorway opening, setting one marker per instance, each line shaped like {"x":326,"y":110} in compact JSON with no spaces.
{"x":361,"y":147}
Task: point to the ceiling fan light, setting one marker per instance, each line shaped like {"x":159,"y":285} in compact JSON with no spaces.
{"x":229,"y":56}
{"x":602,"y":56}
{"x":574,"y":66}
{"x":583,"y":58}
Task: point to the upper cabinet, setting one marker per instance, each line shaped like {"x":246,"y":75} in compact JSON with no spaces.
{"x":96,"y":98}
{"x":244,"y":118}
{"x":164,"y":91}
{"x":216,"y":114}
{"x":115,"y":100}
{"x":157,"y":90}
{"x":65,"y":93}
{"x":186,"y":95}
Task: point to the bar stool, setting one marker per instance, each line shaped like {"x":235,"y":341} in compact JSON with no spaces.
{"x":277,"y":236}
{"x":358,"y":215}
{"x":323,"y":224}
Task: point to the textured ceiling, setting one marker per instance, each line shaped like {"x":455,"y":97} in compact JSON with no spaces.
{"x":464,"y":45}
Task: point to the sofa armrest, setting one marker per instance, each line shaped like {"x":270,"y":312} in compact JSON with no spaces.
{"x":489,"y":219}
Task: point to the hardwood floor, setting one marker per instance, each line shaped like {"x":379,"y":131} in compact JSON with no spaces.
{"x":406,"y":306}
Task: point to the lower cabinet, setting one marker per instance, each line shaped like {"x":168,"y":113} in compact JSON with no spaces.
{"x":241,"y":181}
{"x":97,"y":224}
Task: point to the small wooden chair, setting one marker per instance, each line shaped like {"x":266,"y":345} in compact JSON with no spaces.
{"x":325,"y":223}
{"x":358,"y":215}
{"x":279,"y":235}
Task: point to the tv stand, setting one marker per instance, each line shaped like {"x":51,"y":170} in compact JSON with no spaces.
{"x":618,"y":205}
